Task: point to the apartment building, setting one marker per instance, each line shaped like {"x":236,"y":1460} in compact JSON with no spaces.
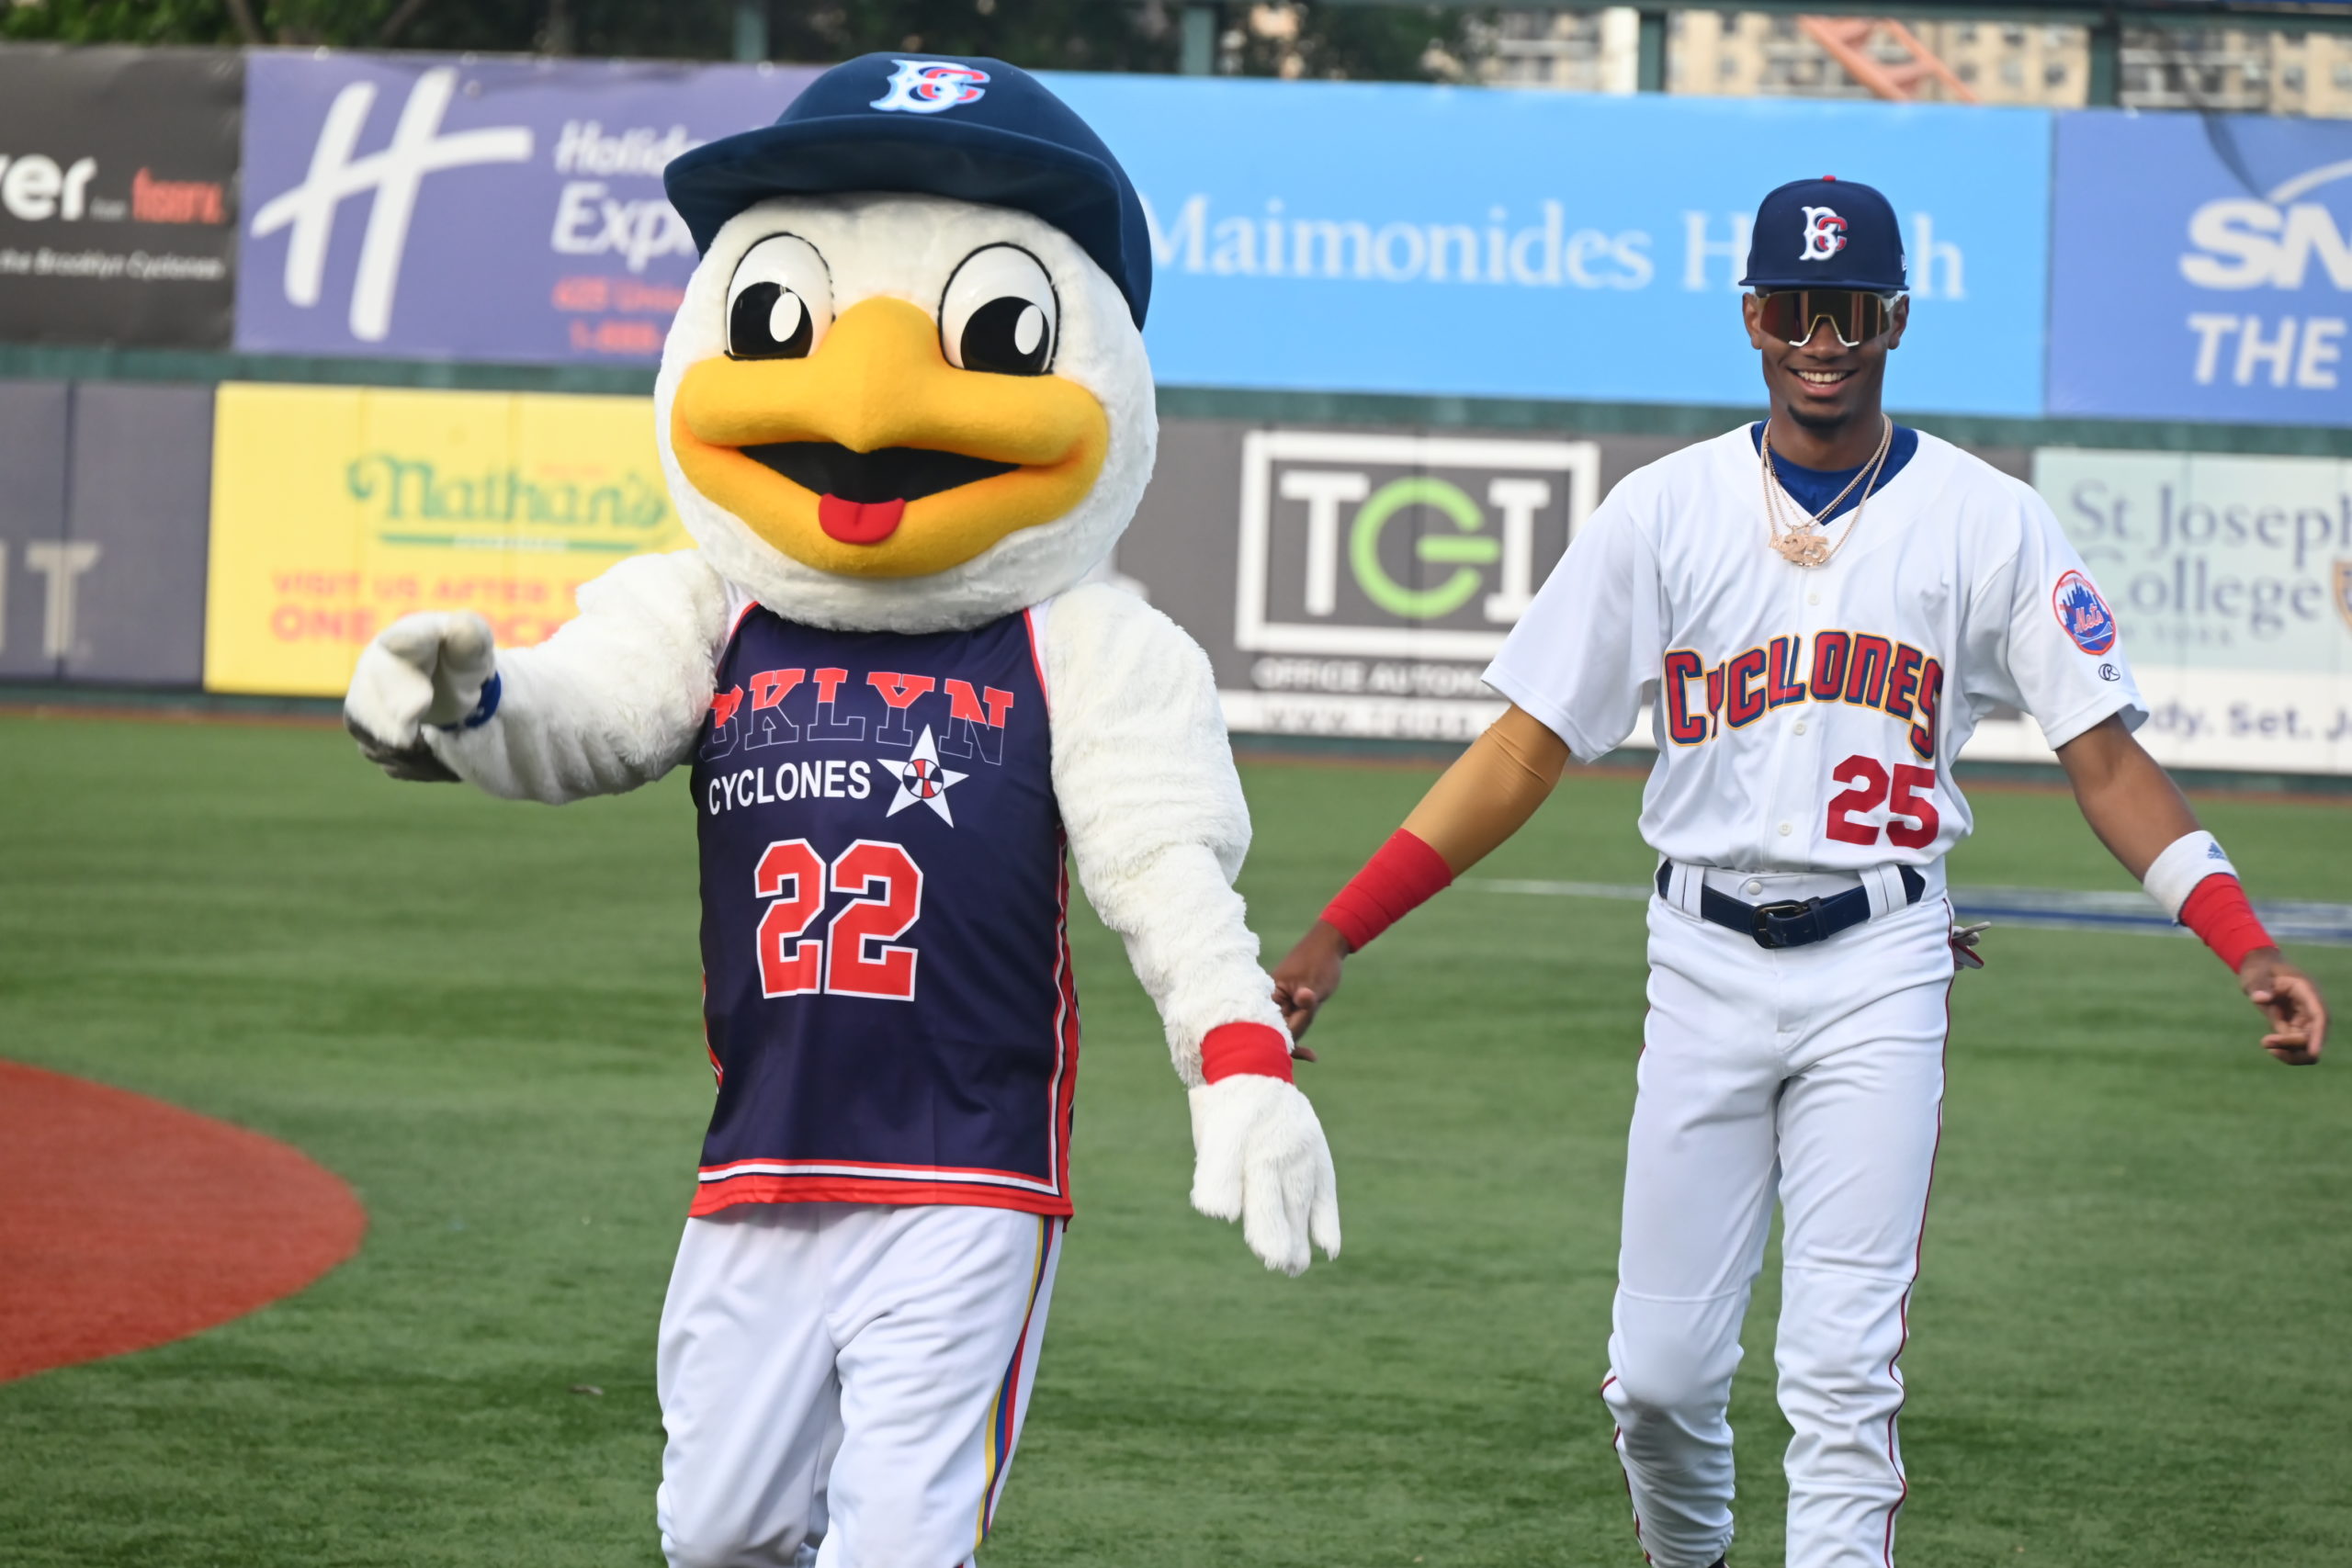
{"x":1745,"y":53}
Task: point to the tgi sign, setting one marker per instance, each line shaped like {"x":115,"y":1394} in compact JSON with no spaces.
{"x":1400,"y":547}
{"x":2202,"y":269}
{"x":415,"y":206}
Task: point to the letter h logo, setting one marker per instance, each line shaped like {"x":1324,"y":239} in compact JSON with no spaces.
{"x":417,"y":148}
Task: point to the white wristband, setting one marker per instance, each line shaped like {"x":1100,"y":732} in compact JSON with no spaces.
{"x":2186,"y":861}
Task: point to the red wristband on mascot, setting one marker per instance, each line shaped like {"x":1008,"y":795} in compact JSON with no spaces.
{"x":2217,"y":911}
{"x":1253,"y":1048}
{"x":1403,"y":875}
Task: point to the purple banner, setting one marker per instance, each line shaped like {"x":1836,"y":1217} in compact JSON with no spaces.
{"x":418,"y":207}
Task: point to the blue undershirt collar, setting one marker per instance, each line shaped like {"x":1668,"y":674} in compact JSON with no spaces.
{"x":1812,"y":488}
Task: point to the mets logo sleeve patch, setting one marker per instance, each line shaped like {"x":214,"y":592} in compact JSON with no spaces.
{"x":886,"y":965}
{"x":2083,"y":613}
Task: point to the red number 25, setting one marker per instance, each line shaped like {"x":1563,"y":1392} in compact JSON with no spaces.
{"x":1868,"y":787}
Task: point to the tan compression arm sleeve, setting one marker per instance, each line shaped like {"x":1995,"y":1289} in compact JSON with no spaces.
{"x":1491,"y":790}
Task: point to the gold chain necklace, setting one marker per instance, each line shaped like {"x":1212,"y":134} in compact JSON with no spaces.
{"x":1802,"y":543}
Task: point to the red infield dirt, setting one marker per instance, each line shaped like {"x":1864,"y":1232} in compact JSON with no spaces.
{"x":125,"y":1222}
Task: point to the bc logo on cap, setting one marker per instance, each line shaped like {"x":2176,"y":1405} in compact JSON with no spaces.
{"x":927,"y":86}
{"x":1825,"y":235}
{"x":2083,"y":613}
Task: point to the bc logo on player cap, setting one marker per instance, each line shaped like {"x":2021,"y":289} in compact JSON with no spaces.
{"x":2083,"y":613}
{"x":1849,"y":239}
{"x":1825,"y":235}
{"x":929,"y":86}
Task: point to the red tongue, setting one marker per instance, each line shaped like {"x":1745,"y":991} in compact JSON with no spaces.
{"x":858,"y":521}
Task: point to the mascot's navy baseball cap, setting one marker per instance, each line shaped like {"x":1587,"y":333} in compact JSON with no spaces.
{"x":975,"y":129}
{"x":1824,"y":233}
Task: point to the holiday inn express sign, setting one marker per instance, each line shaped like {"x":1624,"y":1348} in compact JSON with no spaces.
{"x":439,"y":207}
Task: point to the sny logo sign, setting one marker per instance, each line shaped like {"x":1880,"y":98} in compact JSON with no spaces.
{"x":929,"y":86}
{"x":1825,"y":235}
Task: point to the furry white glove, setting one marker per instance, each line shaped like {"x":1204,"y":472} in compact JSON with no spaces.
{"x":1260,"y":1158}
{"x":424,"y":668}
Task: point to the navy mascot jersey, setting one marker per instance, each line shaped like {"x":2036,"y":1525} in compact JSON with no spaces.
{"x":885,"y":968}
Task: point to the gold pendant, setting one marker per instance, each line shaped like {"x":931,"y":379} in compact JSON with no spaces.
{"x":1801,"y":546}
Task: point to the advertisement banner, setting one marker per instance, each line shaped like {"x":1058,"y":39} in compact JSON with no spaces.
{"x":118,"y":195}
{"x":337,"y":510}
{"x":2216,"y":292}
{"x":1351,"y":581}
{"x":102,"y":523}
{"x":34,"y":419}
{"x":2230,"y":580}
{"x":127,"y":598}
{"x":1389,"y":238}
{"x":435,"y":207}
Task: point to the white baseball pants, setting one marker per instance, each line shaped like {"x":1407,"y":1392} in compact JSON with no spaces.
{"x":842,"y":1385}
{"x":1814,"y":1074}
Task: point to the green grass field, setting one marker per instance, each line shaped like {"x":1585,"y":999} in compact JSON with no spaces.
{"x":2130,"y":1345}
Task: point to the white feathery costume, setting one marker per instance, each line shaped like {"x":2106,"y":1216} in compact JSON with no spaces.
{"x":845,"y":329}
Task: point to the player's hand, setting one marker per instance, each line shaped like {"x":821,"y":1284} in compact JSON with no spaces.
{"x":2297,"y":1015}
{"x":1304,"y":980}
{"x":1259,"y":1156}
{"x":423,"y":668}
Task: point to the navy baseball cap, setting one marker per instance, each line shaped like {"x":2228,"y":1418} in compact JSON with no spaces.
{"x":975,"y":129}
{"x":1824,"y":234}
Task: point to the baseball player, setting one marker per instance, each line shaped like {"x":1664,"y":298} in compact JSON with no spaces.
{"x":1816,"y":610}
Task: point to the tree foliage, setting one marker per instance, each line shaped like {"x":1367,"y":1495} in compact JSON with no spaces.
{"x":1286,"y":37}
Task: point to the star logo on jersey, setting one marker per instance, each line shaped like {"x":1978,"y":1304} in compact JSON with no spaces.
{"x":920,"y":778}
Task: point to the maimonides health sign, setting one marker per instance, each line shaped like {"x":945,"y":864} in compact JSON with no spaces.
{"x":118,"y":195}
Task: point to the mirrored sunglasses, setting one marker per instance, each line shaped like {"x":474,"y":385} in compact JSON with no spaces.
{"x":1856,"y":315}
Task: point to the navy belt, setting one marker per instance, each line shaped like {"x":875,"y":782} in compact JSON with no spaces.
{"x":1793,"y":922}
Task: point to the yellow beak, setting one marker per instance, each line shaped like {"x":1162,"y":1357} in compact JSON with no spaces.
{"x":875,"y":458}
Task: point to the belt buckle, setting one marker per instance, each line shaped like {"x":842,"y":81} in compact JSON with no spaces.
{"x":1762,"y":916}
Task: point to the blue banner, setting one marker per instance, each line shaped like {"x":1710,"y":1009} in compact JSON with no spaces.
{"x":414,"y":206}
{"x":2199,"y":269}
{"x":1483,"y":243}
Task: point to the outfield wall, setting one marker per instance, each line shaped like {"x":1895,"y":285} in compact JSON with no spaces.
{"x":1347,"y":580}
{"x":1454,"y":316}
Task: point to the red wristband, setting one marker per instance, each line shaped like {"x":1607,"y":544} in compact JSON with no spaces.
{"x":1404,"y":875}
{"x":2217,"y":911}
{"x":1257,"y":1049}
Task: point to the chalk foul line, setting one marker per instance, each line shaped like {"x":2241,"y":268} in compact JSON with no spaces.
{"x":2328,"y":925}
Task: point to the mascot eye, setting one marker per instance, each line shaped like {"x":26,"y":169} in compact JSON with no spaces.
{"x":780,"y":301}
{"x":1000,"y":314}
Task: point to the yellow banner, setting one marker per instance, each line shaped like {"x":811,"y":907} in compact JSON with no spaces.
{"x":336,"y":510}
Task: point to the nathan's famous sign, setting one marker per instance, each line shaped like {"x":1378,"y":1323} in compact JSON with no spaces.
{"x":337,"y":510}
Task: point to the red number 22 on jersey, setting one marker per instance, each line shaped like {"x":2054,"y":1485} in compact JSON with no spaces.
{"x":858,"y":956}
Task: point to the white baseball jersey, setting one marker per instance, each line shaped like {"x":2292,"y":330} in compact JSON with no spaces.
{"x":1807,"y":719}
